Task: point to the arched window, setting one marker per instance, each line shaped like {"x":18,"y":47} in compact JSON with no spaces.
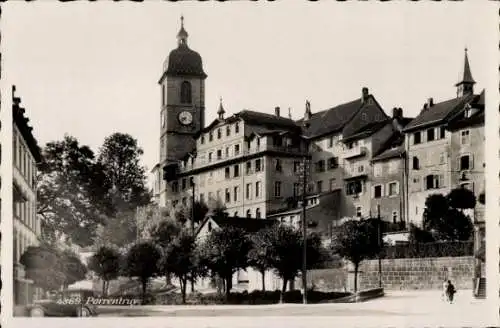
{"x":257,"y":213}
{"x":249,"y":214}
{"x":186,"y":92}
{"x":416,"y":164}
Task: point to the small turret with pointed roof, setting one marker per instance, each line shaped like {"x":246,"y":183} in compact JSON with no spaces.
{"x":466,"y":86}
{"x":221,"y":110}
{"x":182,"y":35}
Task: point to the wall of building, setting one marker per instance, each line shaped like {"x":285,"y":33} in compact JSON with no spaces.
{"x":388,"y":172}
{"x":434,"y":158}
{"x":397,"y":274}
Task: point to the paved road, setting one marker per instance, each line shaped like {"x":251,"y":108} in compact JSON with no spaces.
{"x":396,"y":306}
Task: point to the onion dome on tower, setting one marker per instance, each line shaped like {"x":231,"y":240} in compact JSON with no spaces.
{"x":183,"y":61}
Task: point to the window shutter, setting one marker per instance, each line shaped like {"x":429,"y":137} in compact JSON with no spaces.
{"x":373,"y":191}
{"x":471,"y":161}
{"x":459,"y":161}
{"x":397,"y":188}
{"x":382,"y":190}
{"x":441,"y":181}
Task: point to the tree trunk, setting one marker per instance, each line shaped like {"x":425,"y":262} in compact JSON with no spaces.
{"x":144,"y":285}
{"x":356,"y":266}
{"x":229,"y":285}
{"x":192,"y":285}
{"x":263,"y":273}
{"x":183,"y":282}
{"x":168,"y":279}
{"x":283,"y":290}
{"x":103,"y":287}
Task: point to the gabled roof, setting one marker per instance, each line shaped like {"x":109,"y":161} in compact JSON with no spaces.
{"x":248,"y":225}
{"x":330,"y":120}
{"x":438,"y":112}
{"x":388,"y":153}
{"x":366,"y":130}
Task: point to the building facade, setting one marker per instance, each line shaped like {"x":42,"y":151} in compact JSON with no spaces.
{"x":27,"y":226}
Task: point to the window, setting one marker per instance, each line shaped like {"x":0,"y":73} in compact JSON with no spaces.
{"x":415,"y":163}
{"x":249,"y":214}
{"x":202,"y":139}
{"x":361,"y":168}
{"x":416,"y":138}
{"x":236,"y":171}
{"x":209,"y":157}
{"x":377,"y":169}
{"x":257,"y":213}
{"x":358,"y":211}
{"x":465,"y":137}
{"x":218,"y":195}
{"x":430,"y":134}
{"x":210,"y":195}
{"x":249,"y":167}
{"x":277,"y":189}
{"x":319,"y":186}
{"x":296,"y":167}
{"x":227,"y":173}
{"x":394,"y":217}
{"x":278,"y":165}
{"x":175,"y":186}
{"x":333,"y":163}
{"x":227,"y":151}
{"x":184,"y":184}
{"x":186,"y":92}
{"x":219,"y":154}
{"x":184,"y":201}
{"x":393,"y":188}
{"x":320,"y":166}
{"x":163,"y":94}
{"x":228,"y":196}
{"x":442,"y":132}
{"x":236,"y":150}
{"x":442,"y":158}
{"x":257,"y":189}
{"x":209,"y":226}
{"x":237,"y":128}
{"x":257,"y":165}
{"x":296,"y":189}
{"x":354,"y":187}
{"x":332,"y":184}
{"x":330,"y":142}
{"x":235,"y":194}
{"x":210,"y":136}
{"x":219,"y":133}
{"x":228,"y":131}
{"x":248,"y":190}
{"x":434,"y":181}
{"x":202,"y":198}
{"x":466,"y":162}
{"x":393,"y":167}
{"x":377,"y":191}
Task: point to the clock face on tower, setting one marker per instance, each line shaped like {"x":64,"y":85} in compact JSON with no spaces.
{"x":185,"y":118}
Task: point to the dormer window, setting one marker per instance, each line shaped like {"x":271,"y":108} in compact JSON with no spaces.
{"x":219,"y":134}
{"x":210,"y":136}
{"x":468,"y":111}
{"x":237,"y":128}
{"x":186,"y":92}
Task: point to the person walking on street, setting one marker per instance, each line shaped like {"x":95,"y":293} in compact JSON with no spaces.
{"x":444,"y":295}
{"x":450,"y":292}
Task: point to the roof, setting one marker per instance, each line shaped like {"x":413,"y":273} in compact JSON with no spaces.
{"x":390,"y":153}
{"x":330,"y":120}
{"x":438,"y":112}
{"x":26,"y":131}
{"x":366,"y":130}
{"x":247,"y":224}
{"x":467,"y":77}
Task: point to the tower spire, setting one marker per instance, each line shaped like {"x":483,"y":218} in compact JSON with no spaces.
{"x":465,"y":87}
{"x":182,"y":35}
{"x":221,"y":110}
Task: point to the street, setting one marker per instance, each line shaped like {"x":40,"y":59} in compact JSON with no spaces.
{"x":396,"y":306}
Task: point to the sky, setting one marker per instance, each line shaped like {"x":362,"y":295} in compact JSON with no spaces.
{"x":92,"y":69}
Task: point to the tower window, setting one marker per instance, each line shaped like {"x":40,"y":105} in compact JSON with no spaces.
{"x":228,"y":130}
{"x":219,"y":134}
{"x":186,"y":92}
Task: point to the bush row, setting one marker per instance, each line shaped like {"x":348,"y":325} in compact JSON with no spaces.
{"x":254,"y":297}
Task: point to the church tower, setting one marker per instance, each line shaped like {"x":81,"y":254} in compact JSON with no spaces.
{"x":466,"y":86}
{"x":182,"y":100}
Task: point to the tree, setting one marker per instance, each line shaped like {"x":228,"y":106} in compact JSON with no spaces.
{"x":418,"y":235}
{"x":119,"y":230}
{"x":356,"y":241}
{"x":106,"y":264}
{"x":70,"y":192}
{"x":43,"y":265}
{"x":73,"y":268}
{"x":286,"y":252}
{"x":225,"y":252}
{"x":142,"y":262}
{"x":260,"y":253}
{"x":445,"y":217}
{"x":180,"y":259}
{"x":461,"y":198}
{"x":163,"y":233}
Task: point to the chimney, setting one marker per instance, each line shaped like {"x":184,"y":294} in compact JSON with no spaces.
{"x":425,"y":106}
{"x":364,"y":94}
{"x":397,"y":112}
{"x":430,"y":102}
{"x":277,"y":111}
{"x":308,"y":113}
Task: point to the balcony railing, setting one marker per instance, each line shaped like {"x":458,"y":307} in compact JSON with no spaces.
{"x":355,"y":152}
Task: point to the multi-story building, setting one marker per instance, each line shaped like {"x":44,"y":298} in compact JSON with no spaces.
{"x":27,"y":228}
{"x":437,"y":149}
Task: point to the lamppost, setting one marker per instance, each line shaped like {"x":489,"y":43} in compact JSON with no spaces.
{"x":379,"y":238}
{"x":192,"y":205}
{"x":304,"y":228}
